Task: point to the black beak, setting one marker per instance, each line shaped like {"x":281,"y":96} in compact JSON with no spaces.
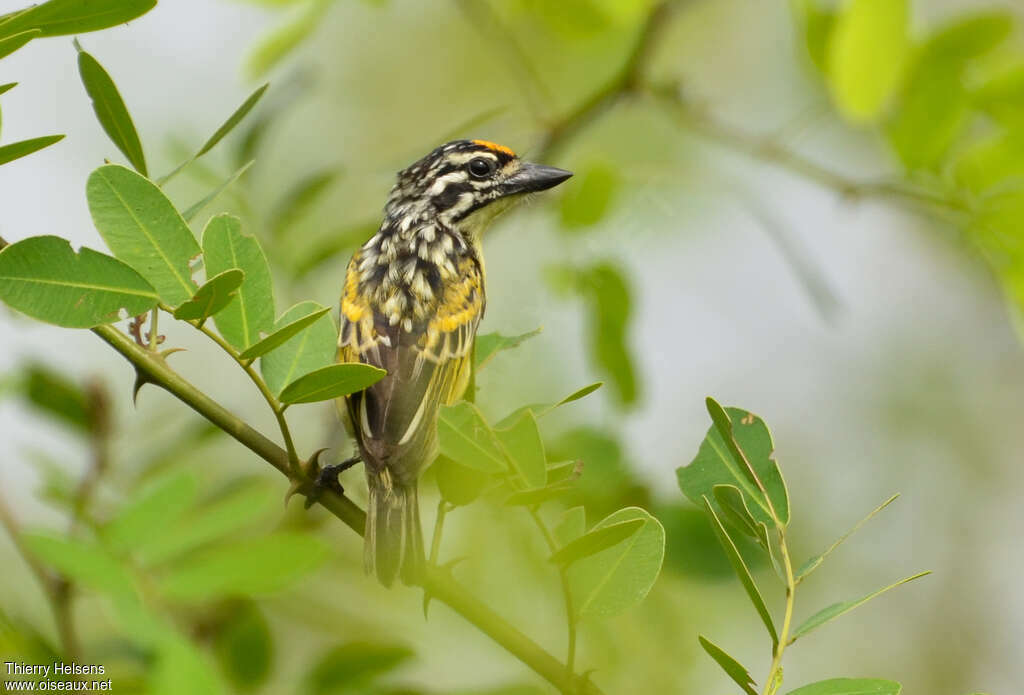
{"x":536,"y":177}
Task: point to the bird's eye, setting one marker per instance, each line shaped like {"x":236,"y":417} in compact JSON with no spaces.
{"x":482,"y":167}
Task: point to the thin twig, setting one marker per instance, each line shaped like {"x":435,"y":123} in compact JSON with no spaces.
{"x":570,"y":611}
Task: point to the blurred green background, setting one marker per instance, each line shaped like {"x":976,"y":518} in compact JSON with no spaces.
{"x":709,"y":244}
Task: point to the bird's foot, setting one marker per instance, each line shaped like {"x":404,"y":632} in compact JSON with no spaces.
{"x":327,"y":479}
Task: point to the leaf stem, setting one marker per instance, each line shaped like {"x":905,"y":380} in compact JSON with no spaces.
{"x":570,"y":611}
{"x":774,"y":678}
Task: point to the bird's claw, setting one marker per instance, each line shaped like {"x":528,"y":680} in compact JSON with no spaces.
{"x":327,"y":478}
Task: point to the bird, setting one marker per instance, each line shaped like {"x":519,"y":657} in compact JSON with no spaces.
{"x":412,"y":299}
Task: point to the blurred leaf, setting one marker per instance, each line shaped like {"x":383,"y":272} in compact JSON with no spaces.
{"x":530,"y":498}
{"x":867,"y":54}
{"x":248,"y":567}
{"x":310,"y":349}
{"x":541,"y":409}
{"x":714,"y":464}
{"x":740,"y":567}
{"x":850,"y":686}
{"x":832,"y":612}
{"x":65,"y":17}
{"x":734,"y":669}
{"x":56,"y":485}
{"x":354,"y":666}
{"x":212,"y":297}
{"x":298,"y":201}
{"x":331,"y":245}
{"x":21,"y":640}
{"x":142,"y":228}
{"x":331,"y":382}
{"x":1002,"y":97}
{"x":970,"y":36}
{"x":244,"y":646}
{"x":601,"y":538}
{"x":490,"y":344}
{"x":233,"y":120}
{"x":931,"y":114}
{"x":812,"y":563}
{"x":692,"y":548}
{"x":466,"y":438}
{"x":525,"y":450}
{"x":571,"y":526}
{"x":17,"y":150}
{"x":221,"y":519}
{"x":570,"y":19}
{"x":12,"y":43}
{"x":994,"y":161}
{"x":816,"y":22}
{"x":45,"y":279}
{"x":283,"y":39}
{"x":609,"y":310}
{"x":182,"y":668}
{"x":283,"y":332}
{"x":619,"y":577}
{"x":586,"y":203}
{"x":190,"y":214}
{"x":459,"y":485}
{"x":110,"y":109}
{"x":56,"y":395}
{"x":82,"y":562}
{"x":147,"y":513}
{"x":252,"y":310}
{"x":608,"y":481}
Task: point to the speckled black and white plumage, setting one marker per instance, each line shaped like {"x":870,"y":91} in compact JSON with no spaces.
{"x":412,"y":300}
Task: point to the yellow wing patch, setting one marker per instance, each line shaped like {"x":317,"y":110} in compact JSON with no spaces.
{"x":451,"y":330}
{"x":495,"y":146}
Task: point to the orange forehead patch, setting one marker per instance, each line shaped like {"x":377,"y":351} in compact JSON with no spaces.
{"x":495,"y":146}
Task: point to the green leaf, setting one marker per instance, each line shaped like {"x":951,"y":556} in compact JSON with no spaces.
{"x":17,"y":150}
{"x":1001,"y":96}
{"x":490,"y":344}
{"x":466,"y":438}
{"x":252,"y":310}
{"x":970,"y":36}
{"x":832,"y":612}
{"x":619,"y":577}
{"x":310,"y":349}
{"x":182,"y":667}
{"x":233,"y":120}
{"x":82,"y":562}
{"x":142,"y":228}
{"x":740,"y":567}
{"x":53,"y":393}
{"x":65,"y":17}
{"x":249,"y":567}
{"x":145,"y":514}
{"x":812,"y":563}
{"x":282,"y":40}
{"x":867,"y":56}
{"x":215,"y":294}
{"x":190,"y":214}
{"x":525,"y":450}
{"x":110,"y":110}
{"x":734,"y":669}
{"x":7,"y":87}
{"x":993,"y":162}
{"x":225,"y":128}
{"x":12,"y":43}
{"x":330,"y":382}
{"x":532,"y":498}
{"x":541,"y":409}
{"x":850,"y":686}
{"x":593,"y":542}
{"x":571,"y":526}
{"x":931,"y":115}
{"x":298,"y":201}
{"x":586,"y":203}
{"x":45,"y":279}
{"x":353,"y":667}
{"x":221,"y":519}
{"x":716,"y":464}
{"x":459,"y":485}
{"x":730,"y":501}
{"x":283,"y":334}
{"x":816,"y":23}
{"x":244,"y":646}
{"x":578,"y":394}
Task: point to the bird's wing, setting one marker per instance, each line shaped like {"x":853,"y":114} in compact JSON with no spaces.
{"x":427,"y":367}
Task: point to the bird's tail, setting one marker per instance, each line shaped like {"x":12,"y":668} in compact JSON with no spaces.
{"x":393,"y":540}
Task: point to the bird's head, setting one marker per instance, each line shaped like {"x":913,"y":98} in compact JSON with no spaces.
{"x":464,"y":184}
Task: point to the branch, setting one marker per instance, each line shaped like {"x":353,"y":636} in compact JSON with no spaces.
{"x":436,"y":581}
